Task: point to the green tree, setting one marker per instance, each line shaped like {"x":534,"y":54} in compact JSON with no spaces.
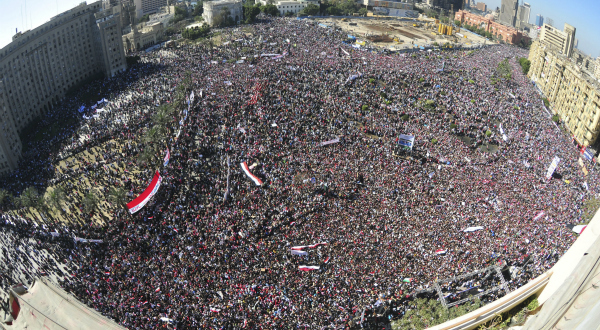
{"x":90,"y":202}
{"x":310,"y":10}
{"x":363,"y":12}
{"x":525,"y":64}
{"x":118,"y":196}
{"x":457,"y":22}
{"x":145,"y":18}
{"x":270,"y":9}
{"x":250,"y":13}
{"x":55,"y":197}
{"x":196,"y":32}
{"x":425,"y":313}
{"x":180,"y":15}
{"x":504,"y":69}
{"x":4,"y":197}
{"x":30,"y":197}
{"x":199,"y":9}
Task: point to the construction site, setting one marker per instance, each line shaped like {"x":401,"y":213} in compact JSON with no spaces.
{"x":403,"y":33}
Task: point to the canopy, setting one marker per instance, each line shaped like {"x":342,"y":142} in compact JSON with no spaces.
{"x":46,"y":306}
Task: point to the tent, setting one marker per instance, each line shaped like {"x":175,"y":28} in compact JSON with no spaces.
{"x":47,"y":306}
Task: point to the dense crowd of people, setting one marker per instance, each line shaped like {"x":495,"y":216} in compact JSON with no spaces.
{"x":214,"y":250}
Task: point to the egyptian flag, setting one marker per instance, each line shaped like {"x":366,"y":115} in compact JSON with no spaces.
{"x":327,"y":260}
{"x":440,"y":251}
{"x":215,"y":310}
{"x":157,"y":289}
{"x":308,"y":268}
{"x":578,"y":229}
{"x":250,"y":175}
{"x":299,"y":253}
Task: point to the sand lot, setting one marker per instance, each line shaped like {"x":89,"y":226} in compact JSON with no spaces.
{"x":409,"y":36}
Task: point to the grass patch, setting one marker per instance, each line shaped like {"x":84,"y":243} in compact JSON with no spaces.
{"x":471,"y":81}
{"x":365,"y":107}
{"x":405,"y":117}
{"x":589,"y":209}
{"x":453,"y":126}
{"x":434,"y":141}
{"x":555,"y":118}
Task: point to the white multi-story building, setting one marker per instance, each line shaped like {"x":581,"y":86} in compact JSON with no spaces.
{"x":562,"y":41}
{"x":39,"y":66}
{"x":214,"y":8}
{"x":291,"y":5}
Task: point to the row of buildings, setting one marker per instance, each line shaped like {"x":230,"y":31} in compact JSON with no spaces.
{"x":503,"y":32}
{"x":572,"y":89}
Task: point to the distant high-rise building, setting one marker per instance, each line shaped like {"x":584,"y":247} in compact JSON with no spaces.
{"x":539,"y":20}
{"x":508,"y":12}
{"x":549,"y":21}
{"x":143,"y":7}
{"x":523,"y":15}
{"x":481,"y":6}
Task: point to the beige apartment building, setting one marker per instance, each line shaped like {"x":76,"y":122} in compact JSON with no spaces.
{"x":573,"y":92}
{"x":39,"y":66}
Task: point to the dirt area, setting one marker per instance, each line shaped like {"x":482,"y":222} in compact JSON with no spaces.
{"x":381,"y":33}
{"x":381,"y":38}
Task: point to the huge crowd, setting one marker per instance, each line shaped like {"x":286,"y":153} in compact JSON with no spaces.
{"x":213,"y":250}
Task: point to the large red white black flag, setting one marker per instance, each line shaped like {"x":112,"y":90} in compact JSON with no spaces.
{"x":136,"y":204}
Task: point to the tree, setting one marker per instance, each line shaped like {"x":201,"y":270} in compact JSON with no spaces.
{"x":180,"y":15}
{"x":289,"y":14}
{"x":457,"y":22}
{"x":196,"y":32}
{"x":55,"y":197}
{"x":270,"y":9}
{"x":310,"y":10}
{"x":4,"y":196}
{"x":145,"y":18}
{"x":504,"y":69}
{"x":525,"y":64}
{"x":223,"y":18}
{"x":250,"y":13}
{"x":199,"y":9}
{"x":425,"y":313}
{"x":90,"y":202}
{"x":30,"y":197}
{"x":119,"y":197}
{"x":363,"y":12}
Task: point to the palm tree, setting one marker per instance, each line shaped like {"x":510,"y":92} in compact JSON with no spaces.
{"x":17,"y":202}
{"x":90,"y":202}
{"x":55,"y":197}
{"x":145,"y":157}
{"x":4,"y":196}
{"x":119,"y":197}
{"x":30,"y":197}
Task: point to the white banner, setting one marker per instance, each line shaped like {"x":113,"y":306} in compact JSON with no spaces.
{"x":552,"y":167}
{"x":336,"y":140}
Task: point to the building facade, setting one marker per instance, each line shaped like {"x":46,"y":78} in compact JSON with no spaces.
{"x":562,"y":41}
{"x":214,"y":8}
{"x":505,"y":33}
{"x":481,"y":6}
{"x":137,"y":40}
{"x":39,"y":66}
{"x":523,"y":15}
{"x":508,"y":12}
{"x":539,"y":20}
{"x":143,"y":7}
{"x":291,"y":6}
{"x":572,"y":91}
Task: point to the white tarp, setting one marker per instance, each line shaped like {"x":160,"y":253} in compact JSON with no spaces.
{"x":46,"y":306}
{"x":470,"y":229}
